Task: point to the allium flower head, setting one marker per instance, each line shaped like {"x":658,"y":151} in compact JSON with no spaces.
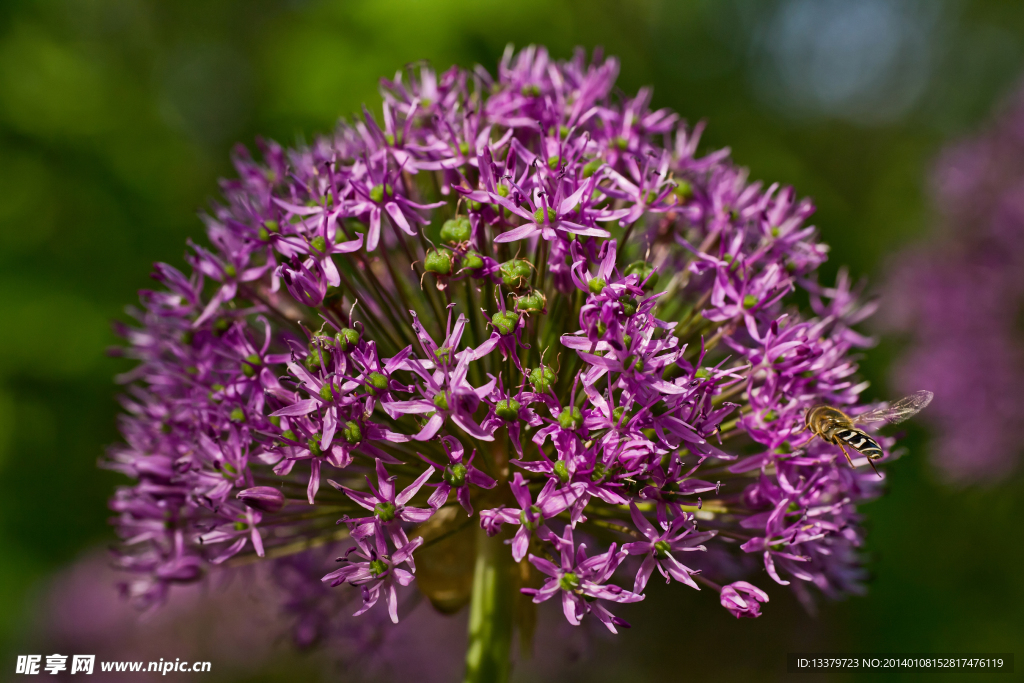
{"x":519,"y":302}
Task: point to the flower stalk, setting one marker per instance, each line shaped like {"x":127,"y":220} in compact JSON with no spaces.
{"x":491,"y":610}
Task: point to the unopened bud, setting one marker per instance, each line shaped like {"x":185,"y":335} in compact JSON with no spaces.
{"x":507,"y":409}
{"x":505,"y":322}
{"x":262,"y":498}
{"x":515,"y":274}
{"x":438,"y":261}
{"x":542,"y":378}
{"x":456,"y":230}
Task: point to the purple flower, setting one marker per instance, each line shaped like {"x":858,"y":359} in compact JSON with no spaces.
{"x":388,"y":506}
{"x":459,"y":476}
{"x":533,"y":269}
{"x":659,"y":546}
{"x":743,"y":599}
{"x":375,"y":571}
{"x":581,"y":581}
{"x":957,"y":300}
{"x":530,"y":515}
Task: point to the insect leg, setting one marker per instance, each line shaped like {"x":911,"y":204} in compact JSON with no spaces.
{"x":872,"y":463}
{"x":848,"y":458}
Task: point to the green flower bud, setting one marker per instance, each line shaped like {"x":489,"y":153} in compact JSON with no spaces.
{"x":515,"y":274}
{"x":471,"y":261}
{"x":504,"y":191}
{"x":347,"y":339}
{"x":289,"y":434}
{"x":237,"y":415}
{"x":542,"y":378}
{"x":591,"y":167}
{"x":620,"y":142}
{"x":239,"y":526}
{"x":562,"y":470}
{"x":627,"y":340}
{"x":377,"y":193}
{"x":599,"y":471}
{"x":505,"y":322}
{"x":314,"y":445}
{"x":230,"y":270}
{"x":352,"y":433}
{"x":464,"y":148}
{"x":702,"y":373}
{"x":629,"y":305}
{"x":377,"y":567}
{"x":540,"y":214}
{"x":262,"y":234}
{"x":532,"y":302}
{"x":271,"y":226}
{"x":553,"y":162}
{"x":648,"y":276}
{"x":274,"y":420}
{"x":455,"y":475}
{"x":385,"y":512}
{"x":457,"y":229}
{"x":313,"y":359}
{"x":596,"y":285}
{"x":570,"y":418}
{"x":474,"y":205}
{"x":326,"y":392}
{"x":683,"y":191}
{"x":441,"y":401}
{"x":525,"y":521}
{"x":319,"y":243}
{"x":749,"y":301}
{"x":662,"y":549}
{"x":376,"y":383}
{"x":507,"y":409}
{"x":251,"y":365}
{"x":617,"y":414}
{"x":438,"y":261}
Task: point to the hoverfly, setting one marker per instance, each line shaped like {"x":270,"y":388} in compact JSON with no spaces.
{"x":836,"y":427}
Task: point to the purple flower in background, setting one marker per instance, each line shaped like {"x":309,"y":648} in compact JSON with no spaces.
{"x":528,"y":268}
{"x":743,"y":599}
{"x":958,"y":300}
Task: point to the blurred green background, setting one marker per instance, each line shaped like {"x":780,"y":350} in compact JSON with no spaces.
{"x":117,"y":117}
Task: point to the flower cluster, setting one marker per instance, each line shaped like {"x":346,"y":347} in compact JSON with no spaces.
{"x":514,"y":302}
{"x":959,"y":301}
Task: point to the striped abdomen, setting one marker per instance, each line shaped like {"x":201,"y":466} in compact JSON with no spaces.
{"x":859,"y":441}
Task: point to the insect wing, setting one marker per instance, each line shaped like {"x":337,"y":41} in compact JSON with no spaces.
{"x":897,"y":411}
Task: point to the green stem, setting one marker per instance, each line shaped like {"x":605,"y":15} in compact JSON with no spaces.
{"x":490,"y":612}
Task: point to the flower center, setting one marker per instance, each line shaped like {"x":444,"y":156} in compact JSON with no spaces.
{"x":455,"y":475}
{"x":385,"y":512}
{"x":569,"y":582}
